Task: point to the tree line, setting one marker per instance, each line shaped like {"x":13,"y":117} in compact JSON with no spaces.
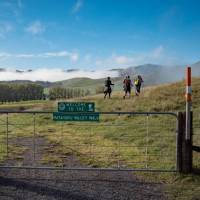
{"x":20,"y":92}
{"x":12,"y":92}
{"x":66,"y":93}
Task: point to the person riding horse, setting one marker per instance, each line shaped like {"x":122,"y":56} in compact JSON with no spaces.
{"x":108,"y":89}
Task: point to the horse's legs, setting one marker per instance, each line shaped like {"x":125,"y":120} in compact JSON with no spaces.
{"x":105,"y":95}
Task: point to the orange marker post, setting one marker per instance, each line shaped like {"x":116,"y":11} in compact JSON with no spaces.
{"x":188,"y":96}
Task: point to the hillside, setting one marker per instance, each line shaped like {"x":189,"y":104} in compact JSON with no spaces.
{"x":166,"y":97}
{"x":151,"y":73}
{"x":156,"y":74}
{"x":129,"y":131}
{"x":90,"y":84}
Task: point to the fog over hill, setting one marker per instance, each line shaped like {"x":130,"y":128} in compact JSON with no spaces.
{"x":156,"y":74}
{"x":196,"y":69}
{"x":53,"y":75}
{"x":152,"y":74}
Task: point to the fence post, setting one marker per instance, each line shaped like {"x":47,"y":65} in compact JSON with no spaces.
{"x":7,"y":137}
{"x":188,"y":108}
{"x":34,"y":139}
{"x":187,"y":148}
{"x":183,"y":145}
{"x":187,"y":139}
{"x":179,"y":136}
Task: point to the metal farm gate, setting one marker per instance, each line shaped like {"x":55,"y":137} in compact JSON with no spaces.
{"x":135,"y":141}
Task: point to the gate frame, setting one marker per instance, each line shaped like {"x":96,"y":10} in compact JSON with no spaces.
{"x":179,"y":143}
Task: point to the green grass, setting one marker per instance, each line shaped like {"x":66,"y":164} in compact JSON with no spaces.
{"x":116,"y":140}
{"x":89,"y":84}
{"x":28,"y":105}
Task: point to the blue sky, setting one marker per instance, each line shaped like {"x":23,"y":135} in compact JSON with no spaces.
{"x":98,"y":34}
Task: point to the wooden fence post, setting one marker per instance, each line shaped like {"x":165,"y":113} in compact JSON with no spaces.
{"x":187,"y":148}
{"x":183,"y":145}
{"x":179,"y":136}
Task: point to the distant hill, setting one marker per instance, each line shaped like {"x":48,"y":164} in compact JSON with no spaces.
{"x":82,"y":83}
{"x":42,"y":83}
{"x":2,"y":70}
{"x":155,"y":74}
{"x":152,"y":74}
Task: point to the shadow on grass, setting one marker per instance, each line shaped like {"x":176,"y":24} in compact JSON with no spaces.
{"x":41,"y":189}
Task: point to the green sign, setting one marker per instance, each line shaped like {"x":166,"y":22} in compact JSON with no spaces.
{"x":57,"y":116}
{"x":76,"y":107}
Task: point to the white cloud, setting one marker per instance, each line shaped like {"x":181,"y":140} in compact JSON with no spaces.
{"x":99,"y":62}
{"x":157,"y":52}
{"x":122,"y":59}
{"x":54,"y":75}
{"x":73,"y":56}
{"x":155,"y":56}
{"x":77,"y":6}
{"x":35,"y":28}
{"x":4,"y":55}
{"x":23,"y":55}
{"x":5,"y":28}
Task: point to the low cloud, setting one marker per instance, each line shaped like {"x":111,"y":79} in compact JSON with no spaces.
{"x":157,"y":55}
{"x":73,"y":56}
{"x":35,"y":28}
{"x":153,"y":56}
{"x":121,"y":60}
{"x":53,"y":74}
{"x":157,"y":52}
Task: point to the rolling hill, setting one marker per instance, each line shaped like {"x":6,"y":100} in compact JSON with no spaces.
{"x":152,"y":74}
{"x":167,"y":97}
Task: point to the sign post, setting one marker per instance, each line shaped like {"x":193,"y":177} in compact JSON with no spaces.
{"x":83,"y":117}
{"x":187,"y":138}
{"x":76,"y":107}
{"x":76,"y":111}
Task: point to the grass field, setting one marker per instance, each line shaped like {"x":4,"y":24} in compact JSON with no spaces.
{"x":116,"y":140}
{"x":90,"y":84}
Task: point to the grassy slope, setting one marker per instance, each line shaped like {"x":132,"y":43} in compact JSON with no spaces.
{"x":87,"y":83}
{"x":160,"y":98}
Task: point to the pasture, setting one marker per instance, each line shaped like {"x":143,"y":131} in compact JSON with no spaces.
{"x":122,"y":141}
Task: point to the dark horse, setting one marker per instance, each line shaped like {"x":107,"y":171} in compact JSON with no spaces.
{"x":108,"y":89}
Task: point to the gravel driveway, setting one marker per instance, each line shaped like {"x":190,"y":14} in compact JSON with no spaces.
{"x":26,"y":184}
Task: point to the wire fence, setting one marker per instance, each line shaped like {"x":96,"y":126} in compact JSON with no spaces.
{"x":196,"y":138}
{"x":127,"y":141}
{"x":196,"y":121}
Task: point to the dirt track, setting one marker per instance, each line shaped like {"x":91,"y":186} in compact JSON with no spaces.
{"x":73,"y":185}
